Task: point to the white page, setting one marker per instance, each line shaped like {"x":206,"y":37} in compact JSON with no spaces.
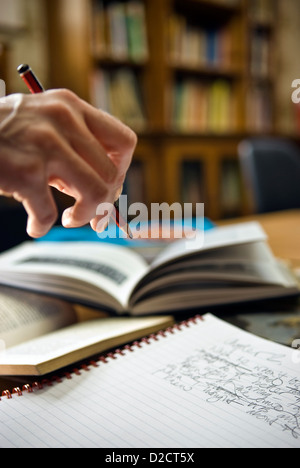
{"x":25,"y":315}
{"x":225,"y":236}
{"x":111,"y":268}
{"x":206,"y":385}
{"x":73,"y":338}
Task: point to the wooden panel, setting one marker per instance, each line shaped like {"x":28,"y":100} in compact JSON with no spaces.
{"x":69,"y":54}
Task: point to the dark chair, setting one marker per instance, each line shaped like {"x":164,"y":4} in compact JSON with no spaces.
{"x":13,"y":224}
{"x":271,"y":171}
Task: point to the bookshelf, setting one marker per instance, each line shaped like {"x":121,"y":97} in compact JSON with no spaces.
{"x":191,"y":77}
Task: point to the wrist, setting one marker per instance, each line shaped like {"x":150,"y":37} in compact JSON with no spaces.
{"x":5,"y":109}
{"x":9,"y":109}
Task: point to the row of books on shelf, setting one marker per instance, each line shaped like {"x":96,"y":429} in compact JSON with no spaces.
{"x":192,"y":185}
{"x":119,"y":30}
{"x":259,"y":108}
{"x":260,"y":60}
{"x":192,"y":45}
{"x":118,"y":92}
{"x":203,"y":107}
{"x":196,"y":106}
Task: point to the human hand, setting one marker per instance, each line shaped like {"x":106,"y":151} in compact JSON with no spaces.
{"x":56,"y":139}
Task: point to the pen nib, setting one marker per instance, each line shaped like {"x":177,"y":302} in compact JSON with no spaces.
{"x":128,"y":231}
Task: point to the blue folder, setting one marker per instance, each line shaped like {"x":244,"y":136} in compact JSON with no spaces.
{"x":112,"y":235}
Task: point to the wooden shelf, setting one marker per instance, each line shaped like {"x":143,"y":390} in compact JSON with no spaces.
{"x":206,"y":71}
{"x":209,"y":7}
{"x":111,"y":62}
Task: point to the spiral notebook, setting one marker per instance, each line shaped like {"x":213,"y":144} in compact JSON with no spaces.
{"x":203,"y":383}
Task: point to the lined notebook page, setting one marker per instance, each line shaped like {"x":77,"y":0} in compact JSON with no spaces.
{"x":206,"y":385}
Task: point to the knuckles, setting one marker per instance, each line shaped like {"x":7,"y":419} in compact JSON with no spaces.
{"x":63,"y":94}
{"x":98,"y":193}
{"x":43,"y":136}
{"x":59,"y":111}
{"x":30,"y":172}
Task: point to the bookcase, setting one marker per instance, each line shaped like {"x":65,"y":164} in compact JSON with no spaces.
{"x":191,"y":77}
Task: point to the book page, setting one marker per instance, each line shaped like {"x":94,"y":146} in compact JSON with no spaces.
{"x":206,"y":384}
{"x":252,"y":262}
{"x":25,"y":315}
{"x":87,"y":271}
{"x":216,"y":238}
{"x":76,"y":342}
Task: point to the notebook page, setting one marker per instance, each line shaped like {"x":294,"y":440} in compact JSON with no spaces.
{"x":206,"y":385}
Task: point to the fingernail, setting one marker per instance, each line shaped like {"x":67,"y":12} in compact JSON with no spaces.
{"x":67,"y":217}
{"x":102,"y":225}
{"x":33,"y":231}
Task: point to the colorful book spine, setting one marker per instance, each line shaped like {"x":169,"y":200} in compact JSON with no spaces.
{"x":118,"y":93}
{"x":190,"y":45}
{"x":119,"y":30}
{"x":200,"y":107}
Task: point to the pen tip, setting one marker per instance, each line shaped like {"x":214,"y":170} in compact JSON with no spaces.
{"x":129,"y":232}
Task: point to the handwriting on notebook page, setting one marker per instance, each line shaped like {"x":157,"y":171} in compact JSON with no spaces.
{"x":239,"y":375}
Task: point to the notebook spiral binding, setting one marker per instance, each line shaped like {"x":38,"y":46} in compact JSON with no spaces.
{"x":103,"y":359}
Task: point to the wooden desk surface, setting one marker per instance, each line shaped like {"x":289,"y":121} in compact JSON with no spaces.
{"x":283,"y":230}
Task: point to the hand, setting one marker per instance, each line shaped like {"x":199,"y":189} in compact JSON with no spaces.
{"x":56,"y":139}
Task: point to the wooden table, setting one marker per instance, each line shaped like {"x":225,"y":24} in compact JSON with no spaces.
{"x":280,"y":320}
{"x":283,"y":230}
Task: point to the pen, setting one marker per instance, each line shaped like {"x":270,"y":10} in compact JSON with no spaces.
{"x":30,"y":79}
{"x":35,"y":87}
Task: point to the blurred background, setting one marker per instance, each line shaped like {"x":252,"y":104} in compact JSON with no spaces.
{"x":206,"y":84}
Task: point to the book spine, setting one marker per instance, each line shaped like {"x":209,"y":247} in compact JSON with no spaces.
{"x":259,"y":109}
{"x":203,"y":107}
{"x":136,"y":31}
{"x":118,"y":93}
{"x":119,"y":30}
{"x":99,"y":29}
{"x":193,"y":46}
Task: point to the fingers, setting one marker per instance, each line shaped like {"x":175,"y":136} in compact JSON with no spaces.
{"x":80,"y":181}
{"x":101,"y":221}
{"x":5,"y":194}
{"x":70,"y":124}
{"x":118,"y":140}
{"x":107,"y":145}
{"x":42,"y":213}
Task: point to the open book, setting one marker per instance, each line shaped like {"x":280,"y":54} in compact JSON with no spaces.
{"x":40,"y":334}
{"x":232,"y":264}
